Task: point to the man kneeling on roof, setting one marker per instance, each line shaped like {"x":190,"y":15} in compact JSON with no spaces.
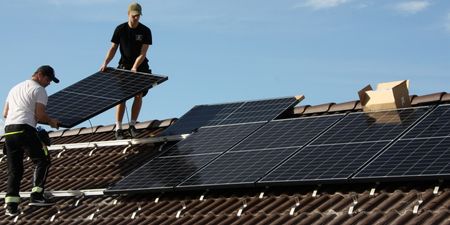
{"x":24,"y":107}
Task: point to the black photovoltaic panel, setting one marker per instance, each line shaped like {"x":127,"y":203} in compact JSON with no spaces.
{"x":437,"y":124}
{"x":261,"y":151}
{"x":161,"y":173}
{"x":96,"y":94}
{"x":213,"y":139}
{"x":422,"y":152}
{"x":346,"y":147}
{"x":184,"y":158}
{"x":230,"y":113}
{"x":263,"y":110}
{"x":287,"y":133}
{"x":376,"y":126}
{"x":411,"y":157}
{"x":238,"y":168}
{"x":324,"y":162}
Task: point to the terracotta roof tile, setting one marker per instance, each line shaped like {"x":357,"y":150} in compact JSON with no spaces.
{"x":427,"y":99}
{"x":299,"y":110}
{"x":342,"y":107}
{"x":318,"y":109}
{"x":446,"y":98}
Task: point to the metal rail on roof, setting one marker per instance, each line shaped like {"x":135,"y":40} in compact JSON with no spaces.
{"x":68,"y":193}
{"x":125,"y":142}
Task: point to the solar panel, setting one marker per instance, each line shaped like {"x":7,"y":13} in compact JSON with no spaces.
{"x":161,"y":173}
{"x":423,"y":151}
{"x":260,"y":152}
{"x":411,"y":158}
{"x":234,"y":168}
{"x":287,"y":133}
{"x":184,"y":158}
{"x":376,"y":126}
{"x":324,"y":162}
{"x":215,"y":139}
{"x":437,"y":124}
{"x":346,"y":147}
{"x":96,"y":94}
{"x":231,"y":113}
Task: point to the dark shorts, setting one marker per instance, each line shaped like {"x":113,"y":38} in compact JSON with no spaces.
{"x":144,"y":68}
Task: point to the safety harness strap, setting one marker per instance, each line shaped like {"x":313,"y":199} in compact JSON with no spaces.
{"x":14,"y":132}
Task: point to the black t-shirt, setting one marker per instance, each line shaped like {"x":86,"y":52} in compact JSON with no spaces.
{"x":130,"y":41}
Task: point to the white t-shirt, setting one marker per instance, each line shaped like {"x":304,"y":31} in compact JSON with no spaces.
{"x":22,"y":101}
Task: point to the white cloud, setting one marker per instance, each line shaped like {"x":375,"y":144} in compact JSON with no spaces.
{"x":412,"y":6}
{"x":321,"y":4}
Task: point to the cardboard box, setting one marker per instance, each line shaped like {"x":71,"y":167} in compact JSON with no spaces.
{"x":390,"y":95}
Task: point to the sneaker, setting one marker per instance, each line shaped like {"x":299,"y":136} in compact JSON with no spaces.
{"x":12,"y":209}
{"x":133,"y":131}
{"x":38,"y":199}
{"x":119,"y":134}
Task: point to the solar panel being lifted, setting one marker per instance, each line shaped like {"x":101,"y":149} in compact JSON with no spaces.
{"x":231,"y":113}
{"x":424,"y":151}
{"x":97,"y":93}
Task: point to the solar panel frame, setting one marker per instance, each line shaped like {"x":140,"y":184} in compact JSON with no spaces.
{"x":100,"y":90}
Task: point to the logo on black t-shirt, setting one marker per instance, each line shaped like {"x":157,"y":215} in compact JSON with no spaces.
{"x":139,"y":37}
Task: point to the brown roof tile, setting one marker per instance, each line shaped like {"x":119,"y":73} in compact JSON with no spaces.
{"x":342,"y":107}
{"x":427,"y":99}
{"x":323,"y":108}
{"x":446,"y":98}
{"x":299,"y":110}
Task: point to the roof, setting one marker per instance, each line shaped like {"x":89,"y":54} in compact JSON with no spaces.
{"x":83,"y":173}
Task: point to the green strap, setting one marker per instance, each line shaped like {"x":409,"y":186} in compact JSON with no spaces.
{"x":12,"y":133}
{"x":44,"y":147}
{"x":12,"y":199}
{"x":37,"y":189}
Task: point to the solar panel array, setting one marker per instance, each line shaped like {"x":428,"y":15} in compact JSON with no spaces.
{"x":96,"y":94}
{"x":260,"y":152}
{"x":423,"y":151}
{"x":347,"y":146}
{"x":185,"y":157}
{"x":231,"y":113}
{"x":413,"y":142}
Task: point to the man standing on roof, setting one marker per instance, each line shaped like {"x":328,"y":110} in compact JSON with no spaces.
{"x":24,"y":108}
{"x":134,"y":39}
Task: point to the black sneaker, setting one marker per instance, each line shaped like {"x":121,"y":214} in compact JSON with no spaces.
{"x":133,"y":131}
{"x":12,"y":209}
{"x":119,"y":134}
{"x":38,"y":199}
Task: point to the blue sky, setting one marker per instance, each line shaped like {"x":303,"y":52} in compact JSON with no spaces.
{"x":225,"y":51}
